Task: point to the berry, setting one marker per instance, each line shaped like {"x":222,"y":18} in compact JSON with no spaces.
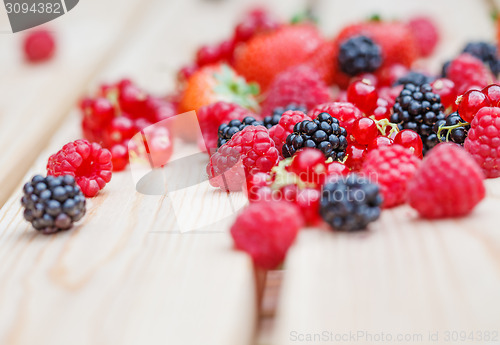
{"x":391,"y":167}
{"x":467,"y":71}
{"x":345,"y":112}
{"x":410,"y":140}
{"x":98,"y":113}
{"x":309,"y":166}
{"x":323,"y":133}
{"x":456,"y":133}
{"x":158,"y":143}
{"x":493,"y":93}
{"x":363,"y":95}
{"x":227,"y":130}
{"x":359,"y":54}
{"x":307,"y":200}
{"x":364,"y":131}
{"x":119,"y":157}
{"x":132,"y":100}
{"x":381,"y":141}
{"x":483,"y":141}
{"x":248,"y":152}
{"x":336,"y":168}
{"x":448,"y":183}
{"x":284,"y":128}
{"x":266,"y":230}
{"x":415,"y":78}
{"x":52,"y":204}
{"x":207,"y":55}
{"x":486,"y":52}
{"x":426,"y":34}
{"x":89,"y":163}
{"x":266,"y":55}
{"x":350,"y":203}
{"x":299,"y":85}
{"x":254,"y":22}
{"x":120,"y":129}
{"x":321,"y":61}
{"x":356,"y":155}
{"x":445,"y":88}
{"x":212,"y":116}
{"x":418,"y":108}
{"x":383,"y":109}
{"x":39,"y":45}
{"x":470,"y":103}
{"x":259,"y":187}
{"x":387,"y":76}
{"x":274,"y":119}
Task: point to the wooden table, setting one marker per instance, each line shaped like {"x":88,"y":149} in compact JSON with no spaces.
{"x":122,"y":277}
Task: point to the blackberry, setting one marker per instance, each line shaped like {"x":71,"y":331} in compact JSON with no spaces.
{"x":359,"y":54}
{"x":323,"y":133}
{"x":350,"y":203}
{"x":415,"y":78}
{"x":418,"y":108}
{"x":444,"y":69}
{"x":273,"y":119}
{"x":53,"y":204}
{"x":227,"y":130}
{"x":452,"y":129}
{"x":486,"y":52}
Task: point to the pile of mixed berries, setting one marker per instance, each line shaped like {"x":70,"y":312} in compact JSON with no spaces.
{"x":316,"y":131}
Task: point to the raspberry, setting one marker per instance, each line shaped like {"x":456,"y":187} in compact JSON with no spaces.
{"x":212,"y":116}
{"x":227,"y":130}
{"x":300,"y":85}
{"x":89,"y":163}
{"x":425,"y":33}
{"x":486,"y":52}
{"x":467,"y":71}
{"x":39,"y":45}
{"x":359,"y":54}
{"x":448,"y":183}
{"x":345,"y":112}
{"x":284,"y":128}
{"x":274,"y":119}
{"x":350,"y":203}
{"x":483,"y":141}
{"x":52,"y":204}
{"x":391,"y":167}
{"x":266,"y":230}
{"x":249,"y":151}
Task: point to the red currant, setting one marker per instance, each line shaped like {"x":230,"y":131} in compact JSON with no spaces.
{"x":308,"y":200}
{"x":186,"y":72}
{"x":363,"y":95}
{"x":309,"y":165}
{"x":471,"y":102}
{"x":226,"y":50}
{"x":101,"y":113}
{"x":446,"y":89}
{"x":493,"y":93}
{"x":355,"y":156}
{"x":207,"y":55}
{"x":119,"y":153}
{"x":132,"y":100}
{"x":336,"y":168}
{"x":389,"y":75}
{"x":159,"y":145}
{"x":411,"y":140}
{"x":383,"y":110}
{"x":119,"y":130}
{"x":364,"y":130}
{"x":380,"y":141}
{"x":259,"y":187}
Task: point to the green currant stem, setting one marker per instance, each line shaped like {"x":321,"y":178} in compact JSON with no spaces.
{"x":449,"y":129}
{"x":383,"y":124}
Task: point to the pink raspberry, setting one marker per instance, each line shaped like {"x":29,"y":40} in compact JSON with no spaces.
{"x":39,"y":45}
{"x":392,"y":167}
{"x":285,"y":127}
{"x":89,"y":163}
{"x":345,"y":112}
{"x":248,"y":152}
{"x":483,"y":141}
{"x":467,"y":71}
{"x":266,"y":230}
{"x":426,"y":34}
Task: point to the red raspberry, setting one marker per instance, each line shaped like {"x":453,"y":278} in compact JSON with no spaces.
{"x":345,"y":112}
{"x":213,"y":115}
{"x":448,"y":183}
{"x":39,"y":45}
{"x":298,"y":85}
{"x":426,"y":34}
{"x":284,"y":128}
{"x":266,"y":230}
{"x":89,"y":163}
{"x":483,"y":141}
{"x":467,"y":72}
{"x":391,"y":167}
{"x":249,"y":151}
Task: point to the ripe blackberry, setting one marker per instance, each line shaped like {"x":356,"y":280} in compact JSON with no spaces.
{"x":53,"y":204}
{"x":418,"y":108}
{"x":274,"y":119}
{"x":227,"y":130}
{"x":350,"y":203}
{"x":415,"y":78}
{"x":323,"y":133}
{"x":359,"y":54}
{"x":485,"y":52}
{"x":451,"y":129}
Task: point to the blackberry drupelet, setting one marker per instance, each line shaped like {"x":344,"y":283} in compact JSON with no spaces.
{"x":415,"y":78}
{"x":359,"y":54}
{"x":323,"y":133}
{"x":53,"y":204}
{"x":456,"y":133}
{"x":486,"y":52}
{"x":350,"y":203}
{"x":227,"y":130}
{"x":273,"y":119}
{"x":418,"y":108}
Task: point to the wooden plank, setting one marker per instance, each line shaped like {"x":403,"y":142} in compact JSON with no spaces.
{"x":36,"y":98}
